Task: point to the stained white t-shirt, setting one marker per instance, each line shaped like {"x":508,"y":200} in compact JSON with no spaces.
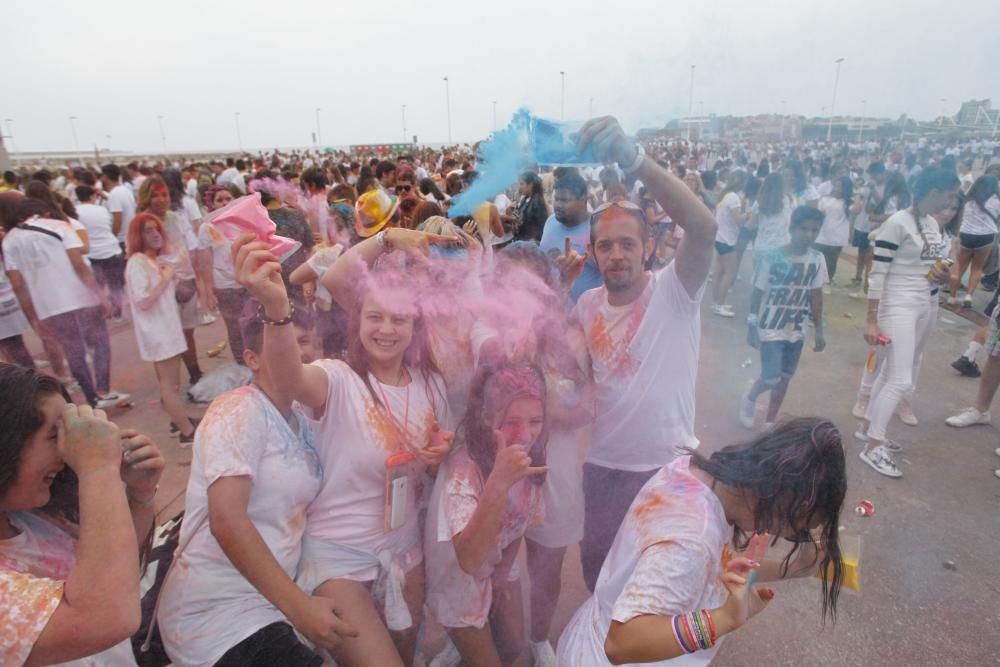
{"x":223,"y":271}
{"x":354,"y":437}
{"x":97,"y":221}
{"x":975,"y":219}
{"x":206,"y":605}
{"x":52,"y":282}
{"x":158,"y":329}
{"x":645,"y":362}
{"x":666,"y":560}
{"x":121,"y":200}
{"x":772,"y":230}
{"x":12,"y":319}
{"x":34,"y":567}
{"x":725,"y":216}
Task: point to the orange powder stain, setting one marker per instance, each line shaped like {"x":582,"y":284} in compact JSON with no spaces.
{"x":385,"y":432}
{"x":602,"y":345}
{"x":727,"y":555}
{"x":648,"y":508}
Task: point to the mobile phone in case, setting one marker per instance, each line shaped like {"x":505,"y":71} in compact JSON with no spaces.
{"x":397,"y":489}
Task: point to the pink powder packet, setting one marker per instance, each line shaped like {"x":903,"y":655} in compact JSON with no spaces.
{"x":247,"y":215}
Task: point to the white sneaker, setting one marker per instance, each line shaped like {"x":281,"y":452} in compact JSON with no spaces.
{"x":967,"y":301}
{"x":111,"y":399}
{"x":905,"y":414}
{"x":860,"y":408}
{"x":723,"y":311}
{"x":543,"y":654}
{"x":968,"y":417}
{"x":952,"y":301}
{"x":878,"y":458}
{"x":827,"y":291}
{"x":207,"y":319}
{"x":748,"y":409}
{"x":447,"y":657}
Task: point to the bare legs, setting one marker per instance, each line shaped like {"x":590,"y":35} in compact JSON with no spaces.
{"x":168,"y":375}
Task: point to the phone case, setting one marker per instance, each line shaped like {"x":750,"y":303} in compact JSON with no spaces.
{"x":397,"y":489}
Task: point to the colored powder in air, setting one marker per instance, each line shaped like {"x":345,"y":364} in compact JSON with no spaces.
{"x":526,"y":140}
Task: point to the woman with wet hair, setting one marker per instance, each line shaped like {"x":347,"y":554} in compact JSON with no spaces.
{"x":76,"y":500}
{"x":486,"y":496}
{"x":671,"y":587}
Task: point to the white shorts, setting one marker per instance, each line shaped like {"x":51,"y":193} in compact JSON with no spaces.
{"x":563,"y":490}
{"x":320,"y":563}
{"x":190,"y":319}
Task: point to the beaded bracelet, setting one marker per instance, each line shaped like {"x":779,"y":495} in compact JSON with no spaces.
{"x":262,"y":318}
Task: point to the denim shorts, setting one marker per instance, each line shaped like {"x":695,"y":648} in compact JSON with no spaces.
{"x":779,"y":359}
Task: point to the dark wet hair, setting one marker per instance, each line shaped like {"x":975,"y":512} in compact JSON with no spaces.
{"x":21,"y":393}
{"x":532,"y":179}
{"x":984,"y":188}
{"x":476,"y":428}
{"x":796,"y":473}
{"x":934,"y":178}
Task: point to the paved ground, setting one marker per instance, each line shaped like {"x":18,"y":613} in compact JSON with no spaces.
{"x":912,"y":610}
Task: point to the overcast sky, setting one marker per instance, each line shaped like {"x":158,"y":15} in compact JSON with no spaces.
{"x":116,"y":66}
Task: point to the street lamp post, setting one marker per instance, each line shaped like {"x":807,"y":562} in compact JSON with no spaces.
{"x":239,"y":137}
{"x":319,"y":132}
{"x":447,"y":104}
{"x":10,"y":134}
{"x":163,"y":136}
{"x":72,"y":126}
{"x":833,"y":102}
{"x":404,"y":123}
{"x":562,"y":96}
{"x":861,"y":125}
{"x":690,"y":105}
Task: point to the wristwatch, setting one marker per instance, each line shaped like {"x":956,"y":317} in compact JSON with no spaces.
{"x":640,"y":155}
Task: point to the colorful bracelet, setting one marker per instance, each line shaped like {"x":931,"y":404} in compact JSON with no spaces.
{"x":699,"y":636}
{"x":688,"y":632}
{"x":678,"y":636}
{"x":711,"y":625}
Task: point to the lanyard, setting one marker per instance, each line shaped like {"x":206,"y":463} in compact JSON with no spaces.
{"x":405,"y":426}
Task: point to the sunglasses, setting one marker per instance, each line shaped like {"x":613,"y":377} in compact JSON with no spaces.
{"x":403,"y":188}
{"x":624,"y":205}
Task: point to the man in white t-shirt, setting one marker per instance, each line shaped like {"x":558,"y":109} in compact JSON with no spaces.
{"x":642,"y":333}
{"x":231,"y":175}
{"x":105,"y":255}
{"x":121,"y":201}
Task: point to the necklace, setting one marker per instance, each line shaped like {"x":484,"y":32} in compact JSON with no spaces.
{"x":403,"y":428}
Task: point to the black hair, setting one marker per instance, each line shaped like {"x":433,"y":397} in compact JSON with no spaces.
{"x":794,"y":474}
{"x":876,"y":168}
{"x":384,"y":167}
{"x":21,"y":393}
{"x":804,"y":214}
{"x":175,"y":186}
{"x":983,"y":189}
{"x":241,"y":164}
{"x":710,"y":179}
{"x":752,"y":188}
{"x":572,"y":181}
{"x":112,"y":172}
{"x":252,"y":330}
{"x":934,"y":178}
{"x":429,"y":187}
{"x":798,"y":176}
{"x":954,"y":225}
{"x":84,"y":192}
{"x":846,"y":194}
{"x":771,"y":199}
{"x":763,"y":169}
{"x":314,"y":177}
{"x":9,"y":177}
{"x":42,"y":175}
{"x":532,"y":179}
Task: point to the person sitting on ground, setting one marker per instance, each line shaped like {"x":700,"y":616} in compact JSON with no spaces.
{"x":76,"y":500}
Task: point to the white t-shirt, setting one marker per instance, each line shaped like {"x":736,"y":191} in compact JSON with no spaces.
{"x":157,"y":329}
{"x":52,"y":282}
{"x":787,"y":280}
{"x":34,"y":567}
{"x":354,"y":437}
{"x":321,"y":260}
{"x":97,"y":221}
{"x":191,"y":211}
{"x":234,"y":177}
{"x":455,"y":598}
{"x":121,"y":200}
{"x":772,"y":230}
{"x":666,"y":560}
{"x":206,"y":605}
{"x":836,"y":226}
{"x":975,"y":220}
{"x":502,"y":202}
{"x":645,"y":362}
{"x":223,"y":271}
{"x":12,"y":319}
{"x":725,"y":215}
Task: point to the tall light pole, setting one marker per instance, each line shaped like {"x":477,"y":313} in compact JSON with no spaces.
{"x":562,"y":96}
{"x":319,"y":133}
{"x":163,"y":137}
{"x":404,"y":123}
{"x":10,"y":134}
{"x":239,"y":137}
{"x":861,"y":126}
{"x":72,"y":126}
{"x":833,"y":102}
{"x":447,"y":104}
{"x":690,"y":105}
{"x":944,"y":109}
{"x":494,"y":115}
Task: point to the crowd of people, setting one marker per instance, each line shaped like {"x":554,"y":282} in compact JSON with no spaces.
{"x":404,"y":429}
